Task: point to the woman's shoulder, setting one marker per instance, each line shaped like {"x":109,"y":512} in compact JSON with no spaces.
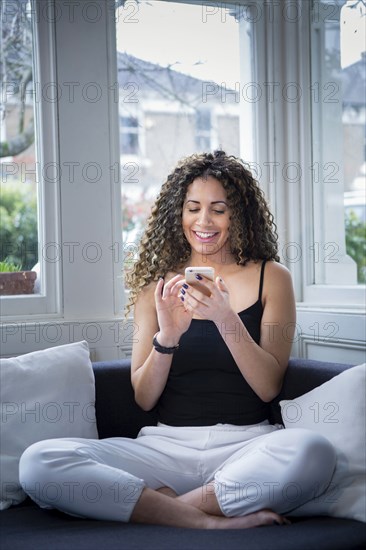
{"x":277,"y":279}
{"x":274,"y":267}
{"x":276,"y":271}
{"x":271,"y":269}
{"x":145,"y":298}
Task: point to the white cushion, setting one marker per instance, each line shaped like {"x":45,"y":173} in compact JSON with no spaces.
{"x":336,"y":409}
{"x":44,"y":394}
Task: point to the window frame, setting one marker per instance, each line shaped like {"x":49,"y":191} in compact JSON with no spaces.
{"x":48,"y":302}
{"x":322,"y":293}
{"x":288,"y":139}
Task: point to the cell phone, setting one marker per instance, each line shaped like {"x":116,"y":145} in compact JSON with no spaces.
{"x":191,"y":272}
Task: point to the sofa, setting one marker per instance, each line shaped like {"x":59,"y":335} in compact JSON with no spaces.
{"x":26,"y":526}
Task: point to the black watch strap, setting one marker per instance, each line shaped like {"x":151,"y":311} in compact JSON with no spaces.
{"x":163,"y":349}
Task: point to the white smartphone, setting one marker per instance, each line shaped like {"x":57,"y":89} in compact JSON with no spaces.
{"x":191,"y":272}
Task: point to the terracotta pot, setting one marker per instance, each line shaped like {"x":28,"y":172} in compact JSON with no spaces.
{"x":17,"y":282}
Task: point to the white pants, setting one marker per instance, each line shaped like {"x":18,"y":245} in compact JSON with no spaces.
{"x":250,"y":467}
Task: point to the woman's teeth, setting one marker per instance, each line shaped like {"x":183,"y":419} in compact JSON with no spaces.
{"x":204,"y":235}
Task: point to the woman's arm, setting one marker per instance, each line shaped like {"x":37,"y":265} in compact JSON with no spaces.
{"x":149,"y":369}
{"x":158,"y":308}
{"x":263,"y":366}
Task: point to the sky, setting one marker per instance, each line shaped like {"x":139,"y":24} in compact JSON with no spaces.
{"x":203,"y":41}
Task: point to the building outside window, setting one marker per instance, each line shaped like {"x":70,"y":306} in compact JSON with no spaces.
{"x":203,"y":130}
{"x":129,"y":135}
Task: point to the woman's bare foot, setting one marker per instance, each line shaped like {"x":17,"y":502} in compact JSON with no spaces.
{"x":153,"y":507}
{"x":263,"y":517}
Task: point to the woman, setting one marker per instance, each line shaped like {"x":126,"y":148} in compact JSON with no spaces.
{"x":209,"y":357}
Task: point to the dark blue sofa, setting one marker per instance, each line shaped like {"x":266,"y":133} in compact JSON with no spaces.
{"x":27,"y":527}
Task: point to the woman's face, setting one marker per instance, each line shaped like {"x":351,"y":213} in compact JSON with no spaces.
{"x":206,"y":216}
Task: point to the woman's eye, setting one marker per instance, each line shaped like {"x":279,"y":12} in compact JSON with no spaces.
{"x":219,"y":211}
{"x":193,"y":210}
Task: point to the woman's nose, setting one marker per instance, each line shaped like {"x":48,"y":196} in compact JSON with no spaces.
{"x":204,"y":217}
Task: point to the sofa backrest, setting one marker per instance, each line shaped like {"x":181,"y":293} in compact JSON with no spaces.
{"x":116,"y":408}
{"x":119,"y":415}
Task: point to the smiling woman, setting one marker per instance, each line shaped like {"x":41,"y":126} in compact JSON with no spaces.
{"x":208,"y":365}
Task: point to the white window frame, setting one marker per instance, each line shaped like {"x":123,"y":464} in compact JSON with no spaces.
{"x":287,"y":140}
{"x":327,"y":228}
{"x":48,"y":302}
{"x":328,"y":224}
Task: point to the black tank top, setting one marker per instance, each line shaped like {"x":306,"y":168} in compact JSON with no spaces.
{"x":205,"y":386}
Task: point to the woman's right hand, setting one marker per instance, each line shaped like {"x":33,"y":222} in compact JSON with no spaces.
{"x":173,"y":318}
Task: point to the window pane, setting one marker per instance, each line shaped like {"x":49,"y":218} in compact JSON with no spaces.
{"x":180,"y":87}
{"x":18,"y":198}
{"x":339,"y":144}
{"x":353,"y":65}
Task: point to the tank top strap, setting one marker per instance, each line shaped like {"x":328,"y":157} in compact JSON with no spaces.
{"x":261,"y":281}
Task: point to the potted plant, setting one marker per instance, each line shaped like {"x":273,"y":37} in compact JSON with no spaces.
{"x":14,"y":281}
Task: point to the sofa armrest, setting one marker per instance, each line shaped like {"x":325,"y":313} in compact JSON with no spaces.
{"x":118,"y":415}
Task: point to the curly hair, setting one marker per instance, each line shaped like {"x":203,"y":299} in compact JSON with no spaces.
{"x":164,"y":247}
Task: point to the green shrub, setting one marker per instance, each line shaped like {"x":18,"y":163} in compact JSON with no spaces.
{"x":18,"y":225}
{"x":356,"y":243}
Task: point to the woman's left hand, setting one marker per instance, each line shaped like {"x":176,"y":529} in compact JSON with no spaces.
{"x":214,"y":307}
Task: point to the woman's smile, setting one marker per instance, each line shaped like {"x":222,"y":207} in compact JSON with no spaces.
{"x":205,"y":236}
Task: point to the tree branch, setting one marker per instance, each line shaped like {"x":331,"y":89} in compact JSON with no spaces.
{"x":23,"y":88}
